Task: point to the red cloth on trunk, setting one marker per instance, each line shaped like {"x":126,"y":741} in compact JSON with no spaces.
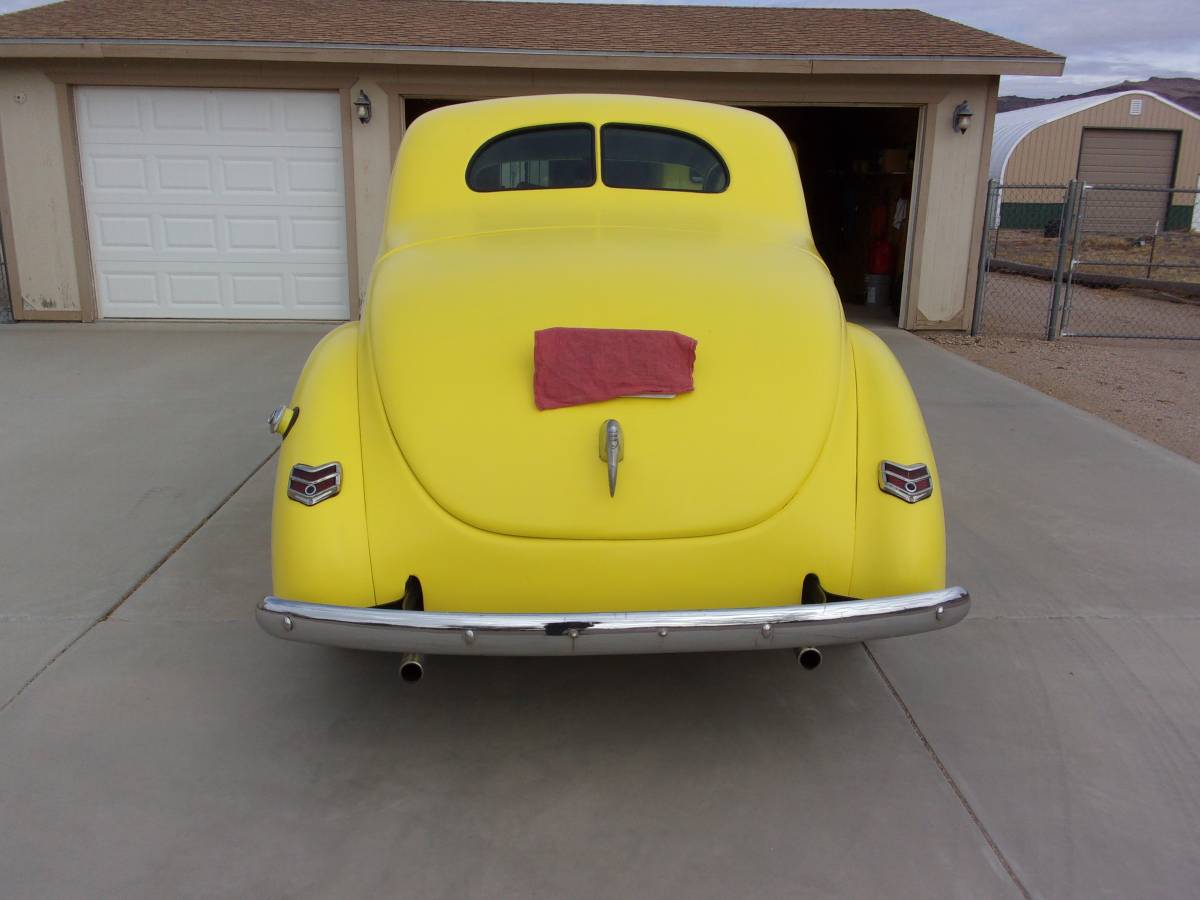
{"x":572,"y":366}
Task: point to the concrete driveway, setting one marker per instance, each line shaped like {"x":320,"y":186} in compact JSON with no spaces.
{"x":1048,"y":747}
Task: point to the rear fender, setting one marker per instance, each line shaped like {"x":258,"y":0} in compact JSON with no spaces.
{"x":320,"y":553}
{"x":899,"y":547}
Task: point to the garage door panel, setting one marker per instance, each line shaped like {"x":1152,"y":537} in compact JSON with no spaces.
{"x":193,"y":289}
{"x":108,"y":116}
{"x":138,"y":289}
{"x":221,"y":117}
{"x":188,"y":234}
{"x":116,"y":175}
{"x":252,"y":234}
{"x":220,"y":203}
{"x":318,"y":180}
{"x":318,"y":291}
{"x":181,"y":175}
{"x":143,"y":174}
{"x":305,"y":114}
{"x":247,"y":178}
{"x":257,"y":290}
{"x":247,"y":234}
{"x":316,"y":235}
{"x":125,"y":233}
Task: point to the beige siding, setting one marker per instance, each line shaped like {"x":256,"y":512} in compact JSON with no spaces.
{"x":1050,"y":154}
{"x":42,"y":240}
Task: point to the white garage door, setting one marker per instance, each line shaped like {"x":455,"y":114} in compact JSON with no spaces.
{"x":215,"y":203}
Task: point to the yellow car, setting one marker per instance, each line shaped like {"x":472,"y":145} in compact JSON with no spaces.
{"x":602,"y":399}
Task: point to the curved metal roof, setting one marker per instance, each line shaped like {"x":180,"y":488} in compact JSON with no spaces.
{"x":1012,"y":127}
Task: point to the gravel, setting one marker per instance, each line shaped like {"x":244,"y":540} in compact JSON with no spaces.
{"x":1151,"y":388}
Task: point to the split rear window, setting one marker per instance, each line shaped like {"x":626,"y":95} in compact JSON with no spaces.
{"x":557,"y":156}
{"x":658,"y":159}
{"x":564,"y":156}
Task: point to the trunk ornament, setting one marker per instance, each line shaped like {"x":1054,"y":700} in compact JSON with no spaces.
{"x":612,"y":451}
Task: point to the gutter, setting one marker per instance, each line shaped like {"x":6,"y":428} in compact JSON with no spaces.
{"x":418,"y":48}
{"x":786,"y":63}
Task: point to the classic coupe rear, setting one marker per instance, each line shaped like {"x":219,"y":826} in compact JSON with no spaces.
{"x":426,"y":503}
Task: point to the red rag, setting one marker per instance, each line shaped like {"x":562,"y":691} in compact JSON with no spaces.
{"x":572,"y":366}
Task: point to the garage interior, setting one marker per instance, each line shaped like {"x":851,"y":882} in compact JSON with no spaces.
{"x":415,"y":107}
{"x":857,"y":164}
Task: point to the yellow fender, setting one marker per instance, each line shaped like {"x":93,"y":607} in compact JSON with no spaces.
{"x":321,"y":552}
{"x":899,"y":547}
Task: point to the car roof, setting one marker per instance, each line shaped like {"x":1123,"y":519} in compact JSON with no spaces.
{"x":429,"y":197}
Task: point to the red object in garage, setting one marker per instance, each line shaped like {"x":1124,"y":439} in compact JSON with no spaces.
{"x":881,"y":258}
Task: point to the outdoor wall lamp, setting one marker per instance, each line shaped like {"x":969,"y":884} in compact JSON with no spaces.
{"x":362,"y":107}
{"x":962,"y":117}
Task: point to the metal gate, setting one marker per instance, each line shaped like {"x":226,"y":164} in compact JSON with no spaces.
{"x":1085,"y":260}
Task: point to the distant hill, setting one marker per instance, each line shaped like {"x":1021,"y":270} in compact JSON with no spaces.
{"x":1184,"y":91}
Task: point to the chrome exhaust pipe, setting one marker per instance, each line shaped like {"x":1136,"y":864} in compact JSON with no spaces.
{"x":808,"y":657}
{"x":412,"y":667}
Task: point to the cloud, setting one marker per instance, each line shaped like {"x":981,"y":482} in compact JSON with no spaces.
{"x":7,"y":6}
{"x":1105,"y":41}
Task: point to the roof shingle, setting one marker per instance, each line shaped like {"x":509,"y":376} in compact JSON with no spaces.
{"x":492,"y":25}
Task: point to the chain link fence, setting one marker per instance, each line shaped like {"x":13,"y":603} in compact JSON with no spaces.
{"x":1081,"y":260}
{"x":6,"y":315}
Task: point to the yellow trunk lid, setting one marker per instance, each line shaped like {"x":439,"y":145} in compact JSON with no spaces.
{"x":450,"y":327}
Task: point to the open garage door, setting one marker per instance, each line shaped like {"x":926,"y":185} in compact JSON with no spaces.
{"x":225,"y":204}
{"x":857,"y":165}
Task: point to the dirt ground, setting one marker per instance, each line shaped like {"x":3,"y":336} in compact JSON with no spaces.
{"x":1152,"y":388}
{"x":1019,"y":305}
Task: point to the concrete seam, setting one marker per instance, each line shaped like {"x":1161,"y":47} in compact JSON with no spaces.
{"x":948,"y":778}
{"x":141,"y":581}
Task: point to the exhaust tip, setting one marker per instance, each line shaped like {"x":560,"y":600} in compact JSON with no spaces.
{"x":412,"y":667}
{"x":809,"y":658}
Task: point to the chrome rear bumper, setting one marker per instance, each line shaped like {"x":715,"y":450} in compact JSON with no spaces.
{"x":579,"y":634}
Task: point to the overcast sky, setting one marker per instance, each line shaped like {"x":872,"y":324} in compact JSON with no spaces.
{"x":1105,"y":41}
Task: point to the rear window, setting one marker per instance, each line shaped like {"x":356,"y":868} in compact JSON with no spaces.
{"x":658,"y":159}
{"x":553,"y":156}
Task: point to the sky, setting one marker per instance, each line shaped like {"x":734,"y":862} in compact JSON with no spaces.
{"x":1105,"y":41}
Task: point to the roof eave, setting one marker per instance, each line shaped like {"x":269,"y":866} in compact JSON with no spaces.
{"x":398,"y":54}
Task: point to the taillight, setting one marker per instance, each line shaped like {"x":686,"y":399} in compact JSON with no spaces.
{"x":911,"y":483}
{"x":312,"y":484}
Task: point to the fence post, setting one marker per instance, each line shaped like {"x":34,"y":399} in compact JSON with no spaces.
{"x":1065,"y":229}
{"x":989,"y":213}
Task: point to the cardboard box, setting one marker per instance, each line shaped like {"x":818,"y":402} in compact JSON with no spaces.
{"x":895,"y":160}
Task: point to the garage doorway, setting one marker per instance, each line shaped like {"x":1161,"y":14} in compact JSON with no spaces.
{"x":415,"y":107}
{"x":857,"y":165}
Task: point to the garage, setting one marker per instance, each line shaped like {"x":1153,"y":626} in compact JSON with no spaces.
{"x":1133,"y":139}
{"x":203,"y":204}
{"x":231,"y":161}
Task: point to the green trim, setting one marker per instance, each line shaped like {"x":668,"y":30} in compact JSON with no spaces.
{"x":1029,"y":215}
{"x":1179,"y":218}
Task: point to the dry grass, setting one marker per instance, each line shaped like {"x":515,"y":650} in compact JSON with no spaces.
{"x":1146,"y":256}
